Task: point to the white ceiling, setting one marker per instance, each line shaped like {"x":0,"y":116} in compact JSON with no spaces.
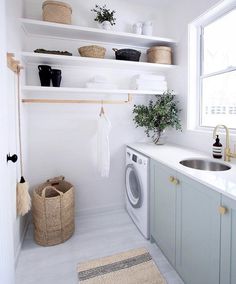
{"x":157,"y":3}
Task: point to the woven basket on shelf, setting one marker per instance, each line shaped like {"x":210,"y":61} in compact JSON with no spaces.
{"x":92,"y":51}
{"x":159,"y":54}
{"x":58,"y":12}
{"x":53,"y":212}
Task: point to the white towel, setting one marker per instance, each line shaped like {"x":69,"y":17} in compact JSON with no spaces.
{"x":104,"y":127}
{"x":150,"y":87}
{"x":99,"y":79}
{"x":155,"y":84}
{"x":150,"y":77}
{"x":106,"y":86}
{"x":139,"y":81}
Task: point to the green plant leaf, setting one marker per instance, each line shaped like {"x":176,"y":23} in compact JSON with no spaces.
{"x":104,"y":14}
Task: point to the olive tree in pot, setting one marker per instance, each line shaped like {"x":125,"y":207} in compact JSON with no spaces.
{"x":157,"y":116}
{"x":104,"y":16}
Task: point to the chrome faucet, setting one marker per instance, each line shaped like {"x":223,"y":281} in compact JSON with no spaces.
{"x":227,"y":152}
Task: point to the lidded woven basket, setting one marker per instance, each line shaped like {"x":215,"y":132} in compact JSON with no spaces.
{"x":159,"y":54}
{"x":53,"y":209}
{"x":95,"y":51}
{"x":56,"y":11}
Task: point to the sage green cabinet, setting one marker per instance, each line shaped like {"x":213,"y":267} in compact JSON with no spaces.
{"x":163,"y":206}
{"x":197,"y":232}
{"x":185,"y":224}
{"x":228,"y":242}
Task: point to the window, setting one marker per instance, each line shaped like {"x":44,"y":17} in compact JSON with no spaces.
{"x":215,"y":62}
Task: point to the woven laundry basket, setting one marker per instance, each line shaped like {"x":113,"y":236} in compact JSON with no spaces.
{"x":92,"y":51}
{"x":58,"y":12}
{"x":53,"y":209}
{"x":159,"y":54}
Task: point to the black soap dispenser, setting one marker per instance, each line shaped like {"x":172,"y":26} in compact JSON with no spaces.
{"x":217,"y":148}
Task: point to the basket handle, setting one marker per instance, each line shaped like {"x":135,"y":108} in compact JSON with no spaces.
{"x":50,"y":187}
{"x":56,"y":179}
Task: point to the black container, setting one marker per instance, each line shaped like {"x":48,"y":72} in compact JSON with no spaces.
{"x":56,"y":77}
{"x":45,"y":73}
{"x":217,"y":149}
{"x":127,"y":54}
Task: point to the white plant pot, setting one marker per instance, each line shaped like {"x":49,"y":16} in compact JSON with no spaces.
{"x":106,"y":25}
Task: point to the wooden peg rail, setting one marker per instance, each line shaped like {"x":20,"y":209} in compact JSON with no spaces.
{"x":12,"y":63}
{"x":56,"y":101}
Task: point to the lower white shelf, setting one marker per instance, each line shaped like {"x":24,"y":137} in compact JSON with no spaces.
{"x":39,"y":89}
{"x":55,"y":91}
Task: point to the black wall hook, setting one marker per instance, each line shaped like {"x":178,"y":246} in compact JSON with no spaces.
{"x":12,"y":158}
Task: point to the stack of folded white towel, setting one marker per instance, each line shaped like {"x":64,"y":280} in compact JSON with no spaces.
{"x":150,"y":82}
{"x":100,"y":82}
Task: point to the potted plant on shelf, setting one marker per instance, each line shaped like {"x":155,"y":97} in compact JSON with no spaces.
{"x":157,"y":116}
{"x":104,"y":16}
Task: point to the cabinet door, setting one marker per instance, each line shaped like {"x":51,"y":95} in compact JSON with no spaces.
{"x":228,"y":242}
{"x":163,"y":202}
{"x":197,"y":232}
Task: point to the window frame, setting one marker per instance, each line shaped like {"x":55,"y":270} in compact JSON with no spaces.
{"x":196,"y":61}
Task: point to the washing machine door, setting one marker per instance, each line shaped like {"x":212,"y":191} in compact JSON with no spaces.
{"x":133,"y":187}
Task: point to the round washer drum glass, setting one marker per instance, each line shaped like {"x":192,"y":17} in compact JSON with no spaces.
{"x":133,"y":187}
{"x":133,"y":182}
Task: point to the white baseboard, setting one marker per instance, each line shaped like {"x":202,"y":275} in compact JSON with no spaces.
{"x":17,"y":255}
{"x":100,"y":210}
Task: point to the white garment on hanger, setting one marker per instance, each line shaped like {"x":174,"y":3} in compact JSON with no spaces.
{"x":104,"y":127}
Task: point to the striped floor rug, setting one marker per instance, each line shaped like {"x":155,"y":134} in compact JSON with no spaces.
{"x":131,"y":267}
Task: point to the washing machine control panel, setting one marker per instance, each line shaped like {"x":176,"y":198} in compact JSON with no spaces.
{"x":136,"y":158}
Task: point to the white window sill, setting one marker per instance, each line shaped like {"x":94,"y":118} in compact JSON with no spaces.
{"x":209,"y":131}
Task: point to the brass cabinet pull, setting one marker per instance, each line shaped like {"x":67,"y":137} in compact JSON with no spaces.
{"x":171,"y":179}
{"x":222,"y":210}
{"x":175,"y":181}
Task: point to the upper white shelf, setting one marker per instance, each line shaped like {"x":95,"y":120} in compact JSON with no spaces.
{"x":64,"y":60}
{"x":48,"y":29}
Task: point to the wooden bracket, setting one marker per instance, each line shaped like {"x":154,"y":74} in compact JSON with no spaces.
{"x":13,"y":64}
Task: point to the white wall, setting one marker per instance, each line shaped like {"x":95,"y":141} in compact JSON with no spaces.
{"x":127,"y":13}
{"x":13,"y":13}
{"x":62,"y":138}
{"x":182,"y":13}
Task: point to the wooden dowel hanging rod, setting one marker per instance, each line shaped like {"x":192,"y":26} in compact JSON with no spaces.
{"x":13,"y":64}
{"x":56,"y":101}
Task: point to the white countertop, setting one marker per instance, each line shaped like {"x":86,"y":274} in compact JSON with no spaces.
{"x":170,"y":155}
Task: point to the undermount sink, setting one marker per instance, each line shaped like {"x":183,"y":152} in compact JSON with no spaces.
{"x":204,"y":165}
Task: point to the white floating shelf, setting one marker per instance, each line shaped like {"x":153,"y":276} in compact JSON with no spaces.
{"x":39,"y":89}
{"x":48,"y":29}
{"x":51,"y":59}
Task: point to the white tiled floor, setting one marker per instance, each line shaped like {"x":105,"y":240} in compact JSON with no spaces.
{"x":96,"y":236}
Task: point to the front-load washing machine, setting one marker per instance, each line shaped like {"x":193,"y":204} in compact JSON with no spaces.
{"x":137,"y":190}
